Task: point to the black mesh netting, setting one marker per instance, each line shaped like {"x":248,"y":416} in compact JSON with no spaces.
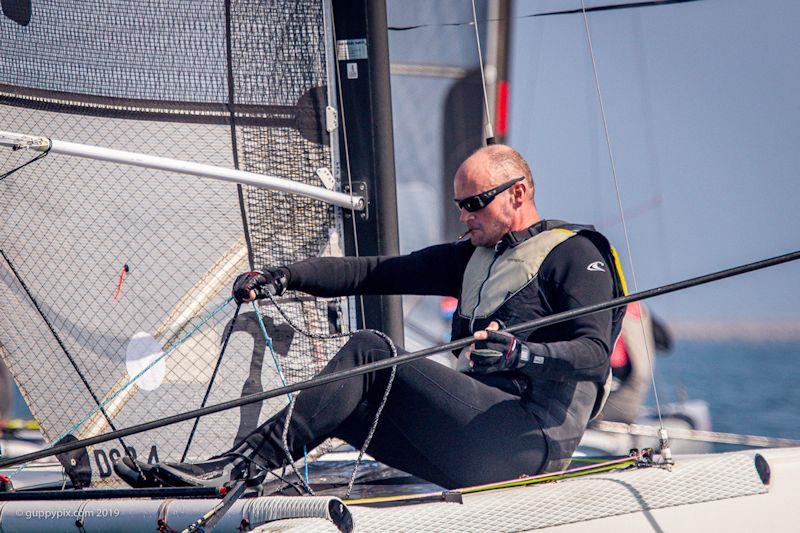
{"x":153,"y":79}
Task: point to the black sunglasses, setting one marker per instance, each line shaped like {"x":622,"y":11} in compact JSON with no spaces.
{"x":481,"y":200}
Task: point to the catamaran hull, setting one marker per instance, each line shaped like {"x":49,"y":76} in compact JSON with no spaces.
{"x":740,"y":491}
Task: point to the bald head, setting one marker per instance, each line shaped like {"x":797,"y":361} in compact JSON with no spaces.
{"x":498,"y":163}
{"x":513,"y":209}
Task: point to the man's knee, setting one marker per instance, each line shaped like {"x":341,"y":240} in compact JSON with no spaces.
{"x":365,"y":347}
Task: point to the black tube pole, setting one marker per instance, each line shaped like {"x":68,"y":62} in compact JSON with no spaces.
{"x":366,"y":111}
{"x":401,"y":359}
{"x":386,"y":193}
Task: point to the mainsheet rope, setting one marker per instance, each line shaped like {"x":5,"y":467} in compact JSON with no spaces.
{"x":303,"y":479}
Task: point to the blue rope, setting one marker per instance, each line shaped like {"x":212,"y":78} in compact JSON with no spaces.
{"x":271,"y":348}
{"x":283,"y":378}
{"x":102,"y":404}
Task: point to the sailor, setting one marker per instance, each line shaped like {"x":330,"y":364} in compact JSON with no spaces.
{"x":521,"y":403}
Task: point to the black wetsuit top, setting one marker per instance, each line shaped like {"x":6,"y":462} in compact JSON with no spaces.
{"x":562,"y":388}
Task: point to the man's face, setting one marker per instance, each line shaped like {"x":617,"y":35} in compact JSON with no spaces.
{"x":488,"y":225}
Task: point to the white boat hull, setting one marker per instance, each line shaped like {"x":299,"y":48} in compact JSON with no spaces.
{"x":703,"y":492}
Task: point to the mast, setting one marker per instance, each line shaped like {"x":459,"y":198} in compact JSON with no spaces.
{"x":498,"y":32}
{"x":366,"y":129}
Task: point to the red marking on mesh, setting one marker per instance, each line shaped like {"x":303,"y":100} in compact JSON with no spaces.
{"x":122,"y":274}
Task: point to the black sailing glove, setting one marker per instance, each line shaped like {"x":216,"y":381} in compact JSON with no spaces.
{"x":499,"y":351}
{"x":269,"y":280}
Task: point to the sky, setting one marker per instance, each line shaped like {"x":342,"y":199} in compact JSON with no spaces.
{"x":701,"y":101}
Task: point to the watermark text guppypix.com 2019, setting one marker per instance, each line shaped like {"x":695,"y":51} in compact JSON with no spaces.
{"x":56,"y":514}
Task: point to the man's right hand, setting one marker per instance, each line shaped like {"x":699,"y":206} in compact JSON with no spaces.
{"x":258,"y":283}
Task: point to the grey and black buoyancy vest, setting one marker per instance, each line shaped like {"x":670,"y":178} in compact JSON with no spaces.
{"x":503,"y":284}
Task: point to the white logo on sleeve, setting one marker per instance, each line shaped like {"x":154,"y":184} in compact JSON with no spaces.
{"x":597,"y":266}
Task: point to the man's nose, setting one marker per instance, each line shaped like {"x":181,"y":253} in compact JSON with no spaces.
{"x":464,"y":216}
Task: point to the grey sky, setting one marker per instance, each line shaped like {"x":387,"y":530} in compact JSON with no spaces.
{"x":702,"y":106}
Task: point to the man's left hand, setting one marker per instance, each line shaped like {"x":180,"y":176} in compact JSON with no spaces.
{"x":494,"y":351}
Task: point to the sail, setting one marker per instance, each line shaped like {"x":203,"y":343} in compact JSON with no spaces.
{"x":105,"y":267}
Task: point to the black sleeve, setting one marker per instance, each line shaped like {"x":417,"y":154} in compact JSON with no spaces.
{"x":574,"y":275}
{"x":437,"y":270}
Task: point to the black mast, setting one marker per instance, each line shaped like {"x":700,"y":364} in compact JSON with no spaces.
{"x":363,"y":60}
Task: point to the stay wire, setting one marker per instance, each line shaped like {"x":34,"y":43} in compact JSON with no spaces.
{"x":228,"y":333}
{"x":488,"y":128}
{"x":378,"y":412}
{"x":609,"y":7}
{"x":35,"y":159}
{"x":619,"y":202}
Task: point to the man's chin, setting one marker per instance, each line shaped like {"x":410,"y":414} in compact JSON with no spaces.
{"x":481,"y":240}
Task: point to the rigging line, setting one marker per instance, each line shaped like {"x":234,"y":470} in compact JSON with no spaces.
{"x":347,"y":156}
{"x":292,"y":399}
{"x":488,"y":129}
{"x":35,"y":159}
{"x":234,"y":143}
{"x":384,"y":399}
{"x":70,"y":358}
{"x":405,"y":358}
{"x":619,"y":203}
{"x":119,"y":391}
{"x":228,"y":333}
{"x":285,"y":445}
{"x":268,"y":340}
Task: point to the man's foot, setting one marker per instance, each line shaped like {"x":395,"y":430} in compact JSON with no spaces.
{"x":137,"y":474}
{"x":212,"y":473}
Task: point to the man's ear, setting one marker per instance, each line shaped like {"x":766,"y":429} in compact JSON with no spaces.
{"x":518,"y":191}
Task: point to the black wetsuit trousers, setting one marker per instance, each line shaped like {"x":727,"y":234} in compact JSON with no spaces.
{"x":438,"y":424}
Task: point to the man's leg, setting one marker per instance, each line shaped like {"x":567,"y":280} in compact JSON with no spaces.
{"x":450,"y":429}
{"x":438,"y":424}
{"x":318,"y":411}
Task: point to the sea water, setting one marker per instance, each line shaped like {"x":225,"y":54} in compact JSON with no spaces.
{"x":751,"y":387}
